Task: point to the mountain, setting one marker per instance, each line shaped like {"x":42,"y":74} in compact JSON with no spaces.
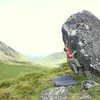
{"x":56,"y":56}
{"x":33,"y":57}
{"x":53,"y":60}
{"x":9,"y":54}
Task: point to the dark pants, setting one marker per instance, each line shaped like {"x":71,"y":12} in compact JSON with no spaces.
{"x":74,"y":64}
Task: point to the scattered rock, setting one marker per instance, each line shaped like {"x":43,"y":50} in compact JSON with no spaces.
{"x":88,"y":84}
{"x":82,"y":31}
{"x":57,"y":93}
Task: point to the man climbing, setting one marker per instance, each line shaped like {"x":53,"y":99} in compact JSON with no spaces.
{"x":72,"y":61}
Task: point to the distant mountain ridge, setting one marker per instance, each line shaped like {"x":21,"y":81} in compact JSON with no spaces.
{"x":58,"y":55}
{"x":54,"y":59}
{"x":8,"y":54}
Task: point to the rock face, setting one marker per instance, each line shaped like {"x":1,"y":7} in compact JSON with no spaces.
{"x":57,"y":93}
{"x":82,"y":31}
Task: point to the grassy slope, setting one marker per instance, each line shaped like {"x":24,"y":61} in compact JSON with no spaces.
{"x":28,"y":87}
{"x":9,"y":71}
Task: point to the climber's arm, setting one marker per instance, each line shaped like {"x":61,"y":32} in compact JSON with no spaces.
{"x":73,"y":53}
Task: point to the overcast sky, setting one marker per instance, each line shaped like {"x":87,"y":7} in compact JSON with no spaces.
{"x":33,"y":27}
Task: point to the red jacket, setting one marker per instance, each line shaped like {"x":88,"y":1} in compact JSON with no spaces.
{"x":68,"y":54}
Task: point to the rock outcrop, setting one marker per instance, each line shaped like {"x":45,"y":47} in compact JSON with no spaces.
{"x":82,"y":31}
{"x":9,"y":55}
{"x":57,"y":93}
{"x":88,"y":84}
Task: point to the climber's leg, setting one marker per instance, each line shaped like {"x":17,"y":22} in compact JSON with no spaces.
{"x":75,"y":69}
{"x":76,"y":62}
{"x":73,"y":66}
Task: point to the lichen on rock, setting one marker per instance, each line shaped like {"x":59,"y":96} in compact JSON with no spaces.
{"x":57,"y":93}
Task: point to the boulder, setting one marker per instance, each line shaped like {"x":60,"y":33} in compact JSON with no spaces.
{"x":88,"y":84}
{"x":57,"y":93}
{"x":81,"y":32}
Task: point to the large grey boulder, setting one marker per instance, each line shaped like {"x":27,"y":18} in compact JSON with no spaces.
{"x":82,"y":31}
{"x":57,"y":93}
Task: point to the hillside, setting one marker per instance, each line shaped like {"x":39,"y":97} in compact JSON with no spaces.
{"x":10,"y":55}
{"x":56,"y":56}
{"x":29,"y":86}
{"x":10,"y":71}
{"x":53,"y":60}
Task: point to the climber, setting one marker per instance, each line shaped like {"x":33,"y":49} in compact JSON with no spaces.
{"x":72,"y":61}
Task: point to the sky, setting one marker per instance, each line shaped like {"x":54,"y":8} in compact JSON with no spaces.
{"x":33,"y":27}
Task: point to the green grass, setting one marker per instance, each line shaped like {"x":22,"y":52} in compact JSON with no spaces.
{"x":30,"y":85}
{"x":10,"y":71}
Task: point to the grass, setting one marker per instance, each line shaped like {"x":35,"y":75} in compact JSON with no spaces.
{"x":29,"y":86}
{"x":10,"y":71}
{"x":95,"y":92}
